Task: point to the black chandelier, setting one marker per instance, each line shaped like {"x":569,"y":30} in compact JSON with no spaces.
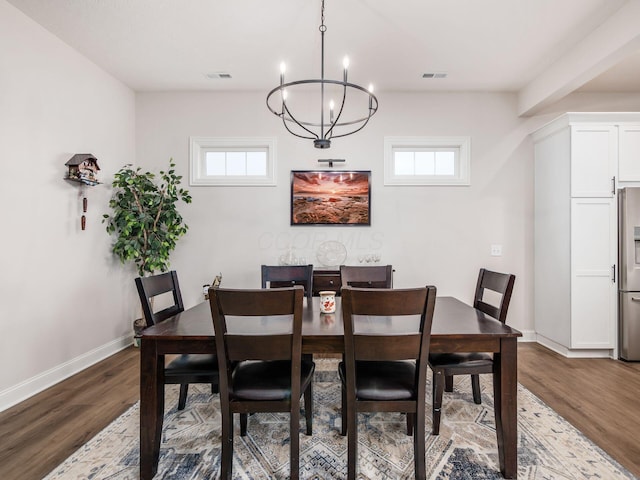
{"x":344,"y":122}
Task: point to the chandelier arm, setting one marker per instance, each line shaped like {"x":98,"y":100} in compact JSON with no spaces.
{"x":295,"y":120}
{"x":297,"y":134}
{"x":335,"y":122}
{"x":364,"y":119}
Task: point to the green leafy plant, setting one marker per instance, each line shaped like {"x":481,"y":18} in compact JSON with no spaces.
{"x":145,"y":218}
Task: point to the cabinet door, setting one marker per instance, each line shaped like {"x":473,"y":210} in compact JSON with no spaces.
{"x":593,"y":285}
{"x":594,"y":154}
{"x":629,"y":158}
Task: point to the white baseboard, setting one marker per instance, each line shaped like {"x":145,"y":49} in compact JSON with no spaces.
{"x":20,"y":392}
{"x":574,"y":353}
{"x":527,"y":336}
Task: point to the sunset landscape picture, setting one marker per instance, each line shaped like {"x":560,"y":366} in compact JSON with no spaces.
{"x":330,"y":198}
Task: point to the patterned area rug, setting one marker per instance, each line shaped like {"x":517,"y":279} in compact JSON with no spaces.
{"x":549,"y":447}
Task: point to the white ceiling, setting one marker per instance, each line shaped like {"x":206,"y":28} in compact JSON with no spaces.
{"x":488,"y":45}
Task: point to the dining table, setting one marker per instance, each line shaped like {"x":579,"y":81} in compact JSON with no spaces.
{"x":456,"y":327}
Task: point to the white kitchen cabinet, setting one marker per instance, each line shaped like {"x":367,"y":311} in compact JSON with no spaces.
{"x":593,"y":258}
{"x":629,"y":147}
{"x":594,"y":153}
{"x":575,"y":239}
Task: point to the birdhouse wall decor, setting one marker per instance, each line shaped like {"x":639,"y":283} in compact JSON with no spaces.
{"x":83,"y":168}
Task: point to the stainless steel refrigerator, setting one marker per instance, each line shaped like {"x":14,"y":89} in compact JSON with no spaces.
{"x":629,"y":273}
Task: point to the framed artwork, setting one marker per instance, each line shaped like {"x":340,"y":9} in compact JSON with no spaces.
{"x":330,"y":197}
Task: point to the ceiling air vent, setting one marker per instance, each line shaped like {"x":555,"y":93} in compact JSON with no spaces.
{"x":216,"y":75}
{"x":434,"y":75}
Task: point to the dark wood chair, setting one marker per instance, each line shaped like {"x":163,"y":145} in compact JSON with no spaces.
{"x":386,"y":373}
{"x":278,"y":276}
{"x":261,"y":372}
{"x":379,"y":276}
{"x":446,"y":365}
{"x":186,"y":369}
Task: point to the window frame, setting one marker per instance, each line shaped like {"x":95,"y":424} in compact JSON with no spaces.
{"x":462,"y":177}
{"x":199,"y":146}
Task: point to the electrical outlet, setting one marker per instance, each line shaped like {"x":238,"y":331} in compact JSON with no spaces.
{"x":496,"y":250}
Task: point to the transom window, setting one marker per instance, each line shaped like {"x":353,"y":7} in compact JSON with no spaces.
{"x":427,"y":161}
{"x":232,"y":161}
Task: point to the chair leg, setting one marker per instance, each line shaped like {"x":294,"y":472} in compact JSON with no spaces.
{"x":419,"y":444}
{"x":410,"y":422}
{"x":294,"y":445}
{"x":352,"y":440}
{"x":308,"y":398}
{"x":438,"y":389}
{"x":182,"y":399}
{"x":226,"y":456}
{"x":243,"y":424}
{"x":475,"y":387}
{"x":308,"y":407}
{"x":448,"y":383}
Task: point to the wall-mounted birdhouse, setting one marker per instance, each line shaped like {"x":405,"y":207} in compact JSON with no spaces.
{"x":83,"y":167}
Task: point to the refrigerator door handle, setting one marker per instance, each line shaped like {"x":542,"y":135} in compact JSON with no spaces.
{"x":613,"y":271}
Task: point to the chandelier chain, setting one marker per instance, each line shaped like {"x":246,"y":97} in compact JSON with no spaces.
{"x":322,"y":27}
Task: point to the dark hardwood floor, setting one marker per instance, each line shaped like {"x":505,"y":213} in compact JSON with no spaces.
{"x":41,"y":432}
{"x":598,"y":396}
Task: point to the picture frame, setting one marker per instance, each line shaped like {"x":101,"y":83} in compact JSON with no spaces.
{"x":331,"y":197}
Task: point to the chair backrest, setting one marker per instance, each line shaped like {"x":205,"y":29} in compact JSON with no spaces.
{"x":379,"y":276}
{"x":501,"y":283}
{"x":401,"y":304}
{"x":151,"y":287}
{"x":279,"y":276}
{"x":271,"y":327}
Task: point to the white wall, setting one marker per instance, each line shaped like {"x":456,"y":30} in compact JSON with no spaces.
{"x":65,"y":303}
{"x":431,"y":235}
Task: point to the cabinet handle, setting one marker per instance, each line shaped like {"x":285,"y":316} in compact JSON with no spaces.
{"x":635,"y":299}
{"x":613,"y":270}
{"x":330,"y":282}
{"x":613,"y":185}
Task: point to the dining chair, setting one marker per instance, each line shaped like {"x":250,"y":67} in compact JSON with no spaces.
{"x":379,"y":276}
{"x":446,"y":365}
{"x":187,"y":368}
{"x":262,"y":371}
{"x":279,"y":276}
{"x":386,"y":372}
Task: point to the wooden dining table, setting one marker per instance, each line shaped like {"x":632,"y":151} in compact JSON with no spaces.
{"x":457,"y":327}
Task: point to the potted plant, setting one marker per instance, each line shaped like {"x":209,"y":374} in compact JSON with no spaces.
{"x":145,"y":218}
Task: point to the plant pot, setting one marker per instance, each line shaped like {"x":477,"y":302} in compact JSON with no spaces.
{"x":139,"y":324}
